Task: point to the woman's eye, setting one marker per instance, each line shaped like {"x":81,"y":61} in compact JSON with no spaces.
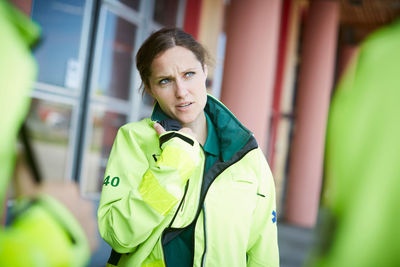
{"x":189,"y":74}
{"x":163,"y":81}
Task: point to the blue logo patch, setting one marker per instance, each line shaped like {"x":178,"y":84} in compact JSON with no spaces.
{"x":274,"y":216}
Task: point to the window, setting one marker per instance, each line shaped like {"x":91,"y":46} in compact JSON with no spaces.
{"x":116,"y":57}
{"x":165,"y":12}
{"x":105,"y":125}
{"x":58,"y":51}
{"x":49,"y":124}
{"x":87,"y":82}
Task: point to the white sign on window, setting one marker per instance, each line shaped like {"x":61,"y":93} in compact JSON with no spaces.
{"x":72,"y":77}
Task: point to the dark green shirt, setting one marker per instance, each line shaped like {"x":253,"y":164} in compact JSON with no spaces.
{"x":179,"y":252}
{"x":211,"y":147}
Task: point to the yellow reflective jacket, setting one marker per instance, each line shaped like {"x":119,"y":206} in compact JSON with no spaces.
{"x":154,"y":187}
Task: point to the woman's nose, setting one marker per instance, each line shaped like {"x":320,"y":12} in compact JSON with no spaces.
{"x":180,"y":90}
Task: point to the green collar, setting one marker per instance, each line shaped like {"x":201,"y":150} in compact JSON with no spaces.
{"x":212,"y":144}
{"x":232,"y":135}
{"x":158,"y":114}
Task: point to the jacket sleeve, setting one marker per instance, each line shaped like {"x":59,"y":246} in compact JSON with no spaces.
{"x":139,"y":192}
{"x":17,"y":74}
{"x":263,"y":243}
{"x":45,"y":233}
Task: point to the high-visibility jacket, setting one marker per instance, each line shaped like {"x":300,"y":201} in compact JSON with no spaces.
{"x":362,"y":184}
{"x":45,"y":233}
{"x":155,"y":186}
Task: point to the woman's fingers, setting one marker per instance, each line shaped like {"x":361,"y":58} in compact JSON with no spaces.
{"x":159,"y":129}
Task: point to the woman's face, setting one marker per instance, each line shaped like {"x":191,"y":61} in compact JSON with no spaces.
{"x":177,"y":82}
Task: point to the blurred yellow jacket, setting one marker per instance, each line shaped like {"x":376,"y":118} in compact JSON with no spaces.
{"x":362,"y":158}
{"x":43,"y":233}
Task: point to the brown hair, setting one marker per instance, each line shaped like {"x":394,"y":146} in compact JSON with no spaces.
{"x":161,"y":41}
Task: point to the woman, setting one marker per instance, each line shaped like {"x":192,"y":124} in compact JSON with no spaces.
{"x":202,"y":195}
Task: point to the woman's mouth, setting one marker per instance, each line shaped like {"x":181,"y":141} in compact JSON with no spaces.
{"x":183,"y":105}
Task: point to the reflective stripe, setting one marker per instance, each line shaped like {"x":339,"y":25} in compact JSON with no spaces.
{"x":203,"y":259}
{"x":178,"y":159}
{"x":159,"y":263}
{"x":155,"y":195}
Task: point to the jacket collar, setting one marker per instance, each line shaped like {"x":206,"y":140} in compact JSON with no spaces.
{"x":232,"y":134}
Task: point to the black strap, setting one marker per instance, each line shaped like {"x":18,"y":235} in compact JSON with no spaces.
{"x":114,"y":257}
{"x":164,"y":138}
{"x":30,"y":156}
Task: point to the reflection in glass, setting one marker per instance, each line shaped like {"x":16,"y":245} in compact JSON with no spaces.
{"x":131,"y":3}
{"x":116,"y":58}
{"x":165,"y":12}
{"x":58,"y":50}
{"x":49,"y":125}
{"x":105,"y":125}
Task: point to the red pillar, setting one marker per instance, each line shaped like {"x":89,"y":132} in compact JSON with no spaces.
{"x":191,"y":23}
{"x":252,"y":30}
{"x":279,"y":76}
{"x":313,"y":96}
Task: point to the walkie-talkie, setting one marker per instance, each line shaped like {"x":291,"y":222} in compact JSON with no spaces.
{"x":170,"y":125}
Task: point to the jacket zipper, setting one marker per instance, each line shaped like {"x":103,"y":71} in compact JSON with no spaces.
{"x":180,"y":204}
{"x":184,"y":200}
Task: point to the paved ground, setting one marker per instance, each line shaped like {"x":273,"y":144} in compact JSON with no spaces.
{"x":294,"y":244}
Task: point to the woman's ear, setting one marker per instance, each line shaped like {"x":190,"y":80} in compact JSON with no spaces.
{"x":148,"y":90}
{"x":205,"y":69}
